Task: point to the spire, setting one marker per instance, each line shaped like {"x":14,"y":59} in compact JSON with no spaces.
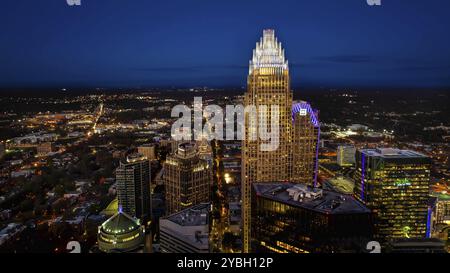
{"x":268,"y":53}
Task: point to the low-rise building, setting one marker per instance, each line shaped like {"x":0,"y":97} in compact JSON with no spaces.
{"x":186,"y":231}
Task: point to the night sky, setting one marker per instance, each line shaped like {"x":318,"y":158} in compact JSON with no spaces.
{"x":145,"y":43}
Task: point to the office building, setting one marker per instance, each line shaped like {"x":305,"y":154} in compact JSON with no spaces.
{"x":346,"y":155}
{"x":297,"y":218}
{"x":186,"y":231}
{"x":295,"y":157}
{"x":187,"y":179}
{"x":268,"y":84}
{"x":394,"y":184}
{"x":133,"y":187}
{"x":121,"y":233}
{"x":305,"y":146}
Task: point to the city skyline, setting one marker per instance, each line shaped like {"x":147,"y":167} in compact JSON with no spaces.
{"x":261,"y":166}
{"x":175,"y":43}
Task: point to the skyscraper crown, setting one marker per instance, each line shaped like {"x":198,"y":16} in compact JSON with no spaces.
{"x":268,"y":53}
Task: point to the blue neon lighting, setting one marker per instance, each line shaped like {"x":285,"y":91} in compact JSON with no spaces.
{"x":303,"y":105}
{"x":428,"y":234}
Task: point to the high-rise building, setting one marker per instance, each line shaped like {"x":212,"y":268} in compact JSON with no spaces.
{"x":297,"y":218}
{"x":187,"y":179}
{"x":186,"y":231}
{"x":133,"y":187}
{"x":267,"y":84}
{"x":295,"y":158}
{"x":346,"y":155}
{"x":394,"y":184}
{"x":305,"y":145}
{"x":148,"y":150}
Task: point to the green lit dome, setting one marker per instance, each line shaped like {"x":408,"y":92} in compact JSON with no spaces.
{"x":120,"y":223}
{"x":120,"y":233}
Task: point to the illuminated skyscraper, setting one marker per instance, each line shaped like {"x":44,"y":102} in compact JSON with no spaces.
{"x":268,"y":84}
{"x":395,"y":185}
{"x":133,"y":187}
{"x":295,"y":158}
{"x":305,"y":146}
{"x":187,"y":179}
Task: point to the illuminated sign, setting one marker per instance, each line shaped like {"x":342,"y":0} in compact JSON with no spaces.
{"x":402,"y":182}
{"x":406,"y":230}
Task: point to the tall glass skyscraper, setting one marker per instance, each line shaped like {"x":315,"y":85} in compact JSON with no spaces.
{"x":395,"y":185}
{"x":295,"y":157}
{"x":133,"y":187}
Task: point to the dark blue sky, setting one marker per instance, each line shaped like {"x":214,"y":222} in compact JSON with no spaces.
{"x":331,"y":43}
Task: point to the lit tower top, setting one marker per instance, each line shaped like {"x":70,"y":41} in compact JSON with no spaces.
{"x":268,"y":53}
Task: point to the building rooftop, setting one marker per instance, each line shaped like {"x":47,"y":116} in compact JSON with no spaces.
{"x":300,"y":195}
{"x":187,"y":150}
{"x":136,"y":157}
{"x":392,"y":153}
{"x":120,"y":223}
{"x":268,"y":53}
{"x":194,"y":216}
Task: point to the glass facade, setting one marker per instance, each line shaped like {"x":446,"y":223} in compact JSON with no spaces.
{"x":133,"y":187}
{"x":282,"y":227}
{"x":395,"y":185}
